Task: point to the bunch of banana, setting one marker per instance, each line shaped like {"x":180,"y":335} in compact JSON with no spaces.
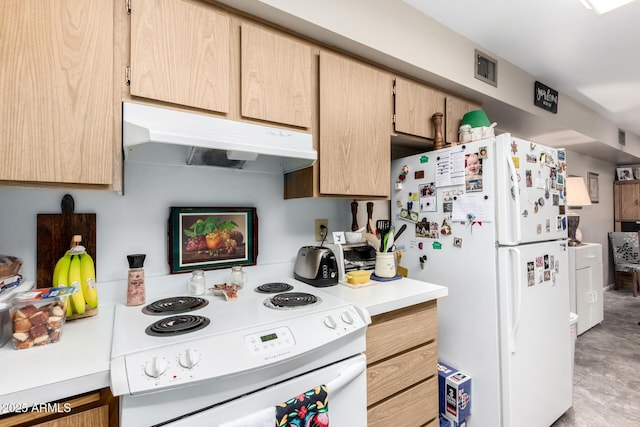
{"x":76,"y":268}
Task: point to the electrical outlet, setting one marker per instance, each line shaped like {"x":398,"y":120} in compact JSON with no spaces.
{"x":321,"y":232}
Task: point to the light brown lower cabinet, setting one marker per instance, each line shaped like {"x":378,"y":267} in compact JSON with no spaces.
{"x":95,"y":409}
{"x":402,"y":375}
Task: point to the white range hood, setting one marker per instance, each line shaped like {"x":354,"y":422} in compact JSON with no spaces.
{"x":164,"y":136}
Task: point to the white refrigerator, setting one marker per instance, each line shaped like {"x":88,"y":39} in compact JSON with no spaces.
{"x":487,"y":220}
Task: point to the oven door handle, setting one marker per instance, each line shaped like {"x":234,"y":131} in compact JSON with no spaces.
{"x":346,"y":376}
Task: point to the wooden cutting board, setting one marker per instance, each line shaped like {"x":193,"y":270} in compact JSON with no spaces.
{"x":54,"y":234}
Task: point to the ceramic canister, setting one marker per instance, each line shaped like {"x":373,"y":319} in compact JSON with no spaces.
{"x":385,"y":264}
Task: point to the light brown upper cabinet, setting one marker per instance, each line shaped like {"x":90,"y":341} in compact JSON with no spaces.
{"x":627,"y":201}
{"x":455,"y":108}
{"x":355,"y":127}
{"x":57,"y":87}
{"x":275,"y":77}
{"x":414,"y":105}
{"x":181,"y":53}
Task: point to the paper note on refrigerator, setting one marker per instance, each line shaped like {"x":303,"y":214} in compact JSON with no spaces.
{"x":472,"y":205}
{"x":450,"y":167}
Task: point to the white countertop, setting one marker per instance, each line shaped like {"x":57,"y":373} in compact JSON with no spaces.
{"x":382,"y":297}
{"x":80,"y":361}
{"x":76,"y":364}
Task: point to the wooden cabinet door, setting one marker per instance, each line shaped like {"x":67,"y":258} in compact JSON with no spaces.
{"x":455,"y":108}
{"x":355,"y":128}
{"x":90,"y":409}
{"x":414,"y":106}
{"x":180,"y":53}
{"x":56,"y":114}
{"x":616,"y":203}
{"x":97,"y":417}
{"x":275,"y":77}
{"x":629,"y":200}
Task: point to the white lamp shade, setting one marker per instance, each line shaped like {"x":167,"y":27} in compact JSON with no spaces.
{"x":577,"y":194}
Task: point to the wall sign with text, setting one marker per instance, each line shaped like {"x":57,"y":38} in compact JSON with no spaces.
{"x":545,"y":97}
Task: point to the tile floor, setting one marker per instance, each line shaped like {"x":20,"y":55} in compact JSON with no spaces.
{"x":607,"y":368}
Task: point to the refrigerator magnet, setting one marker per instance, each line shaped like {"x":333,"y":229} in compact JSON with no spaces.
{"x":528,"y":178}
{"x":514,"y":147}
{"x":530,"y":274}
{"x":445,"y":228}
{"x":457,"y":242}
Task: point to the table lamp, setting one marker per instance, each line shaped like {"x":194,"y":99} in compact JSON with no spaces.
{"x":577,"y":197}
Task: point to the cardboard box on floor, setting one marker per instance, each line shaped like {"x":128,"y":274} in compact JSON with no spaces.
{"x":454,"y":391}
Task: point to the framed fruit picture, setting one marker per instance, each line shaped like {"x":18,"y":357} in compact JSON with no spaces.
{"x":212,"y":238}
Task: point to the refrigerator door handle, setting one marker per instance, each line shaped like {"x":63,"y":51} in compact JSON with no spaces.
{"x":516,"y":298}
{"x":515,"y":192}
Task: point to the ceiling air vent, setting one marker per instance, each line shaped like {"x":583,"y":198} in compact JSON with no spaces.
{"x":621,"y":137}
{"x":486,"y":68}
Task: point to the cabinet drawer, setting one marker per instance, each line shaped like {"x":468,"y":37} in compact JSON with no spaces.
{"x":399,"y":330}
{"x":588,"y":255}
{"x":397,"y":373}
{"x":413,"y":407}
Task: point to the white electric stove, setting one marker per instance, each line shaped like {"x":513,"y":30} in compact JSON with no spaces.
{"x":207,"y":360}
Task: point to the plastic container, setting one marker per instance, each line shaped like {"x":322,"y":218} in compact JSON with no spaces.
{"x":10,"y":273}
{"x":475,"y":118}
{"x":38,"y":316}
{"x":464,"y":133}
{"x":353,"y":237}
{"x":358,"y":277}
{"x":5,"y":323}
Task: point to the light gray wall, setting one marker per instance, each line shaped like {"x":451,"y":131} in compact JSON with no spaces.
{"x":596,"y":220}
{"x":137,"y":221}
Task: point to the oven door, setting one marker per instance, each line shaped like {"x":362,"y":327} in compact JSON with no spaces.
{"x":347,"y":397}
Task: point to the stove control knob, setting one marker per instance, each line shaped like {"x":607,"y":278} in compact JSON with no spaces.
{"x":346,"y":316}
{"x":330,"y":322}
{"x":189,"y":358}
{"x":156,"y":367}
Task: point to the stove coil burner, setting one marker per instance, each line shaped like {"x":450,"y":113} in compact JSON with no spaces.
{"x":175,"y":305}
{"x":177,"y":325}
{"x":289,"y":300}
{"x":274,"y":288}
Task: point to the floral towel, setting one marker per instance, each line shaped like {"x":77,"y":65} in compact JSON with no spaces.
{"x":309,"y":409}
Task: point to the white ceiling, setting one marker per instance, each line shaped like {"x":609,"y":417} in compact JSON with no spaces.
{"x":594,"y":59}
